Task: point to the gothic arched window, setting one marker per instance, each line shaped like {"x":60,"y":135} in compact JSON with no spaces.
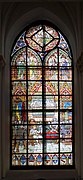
{"x":41,"y":99}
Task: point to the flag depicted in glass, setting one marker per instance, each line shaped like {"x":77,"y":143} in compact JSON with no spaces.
{"x":41,"y":99}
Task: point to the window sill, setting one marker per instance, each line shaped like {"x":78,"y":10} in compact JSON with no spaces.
{"x":69,"y":174}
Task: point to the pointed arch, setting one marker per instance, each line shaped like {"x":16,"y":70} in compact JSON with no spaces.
{"x":41,"y":99}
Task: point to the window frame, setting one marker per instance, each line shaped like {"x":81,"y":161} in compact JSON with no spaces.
{"x":73,"y":141}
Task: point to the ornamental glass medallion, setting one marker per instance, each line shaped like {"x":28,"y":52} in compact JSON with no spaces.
{"x":41,"y":99}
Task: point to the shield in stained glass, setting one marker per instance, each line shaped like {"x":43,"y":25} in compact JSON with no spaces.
{"x":34,"y":87}
{"x":65,"y":88}
{"x":51,"y":159}
{"x":18,"y":88}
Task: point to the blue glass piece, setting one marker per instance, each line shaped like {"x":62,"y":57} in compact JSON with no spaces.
{"x":39,"y":158}
{"x":31,"y":158}
{"x":19,"y":44}
{"x":23,"y":159}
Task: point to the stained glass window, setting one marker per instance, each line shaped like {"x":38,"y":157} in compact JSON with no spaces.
{"x":41,"y":99}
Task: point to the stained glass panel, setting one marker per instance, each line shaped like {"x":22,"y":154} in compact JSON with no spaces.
{"x":35,"y":146}
{"x":66,"y":159}
{"x":35,"y":87}
{"x":19,"y":132}
{"x":51,"y":88}
{"x":35,"y":131}
{"x":19,"y":160}
{"x":51,"y":117}
{"x":18,"y":88}
{"x":64,"y":45}
{"x":34,"y":73}
{"x":64,"y":59}
{"x":51,"y":159}
{"x":66,"y":131}
{"x":65,"y":88}
{"x":19,"y":44}
{"x":33,"y":58}
{"x":33,"y":30}
{"x":52,"y":58}
{"x":66,"y":102}
{"x":19,"y":117}
{"x":19,"y":59}
{"x":51,"y":45}
{"x":51,"y":146}
{"x":41,"y":99}
{"x":51,"y":131}
{"x":19,"y":103}
{"x":19,"y":146}
{"x":34,"y":102}
{"x":35,"y":159}
{"x":51,"y":74}
{"x":18,"y":73}
{"x":65,"y":73}
{"x":52,"y":32}
{"x":65,"y":145}
{"x":51,"y":102}
{"x":35,"y":118}
{"x":66,"y":117}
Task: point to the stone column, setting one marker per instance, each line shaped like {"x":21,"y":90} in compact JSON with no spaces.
{"x":80,"y":111}
{"x":2,"y":63}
